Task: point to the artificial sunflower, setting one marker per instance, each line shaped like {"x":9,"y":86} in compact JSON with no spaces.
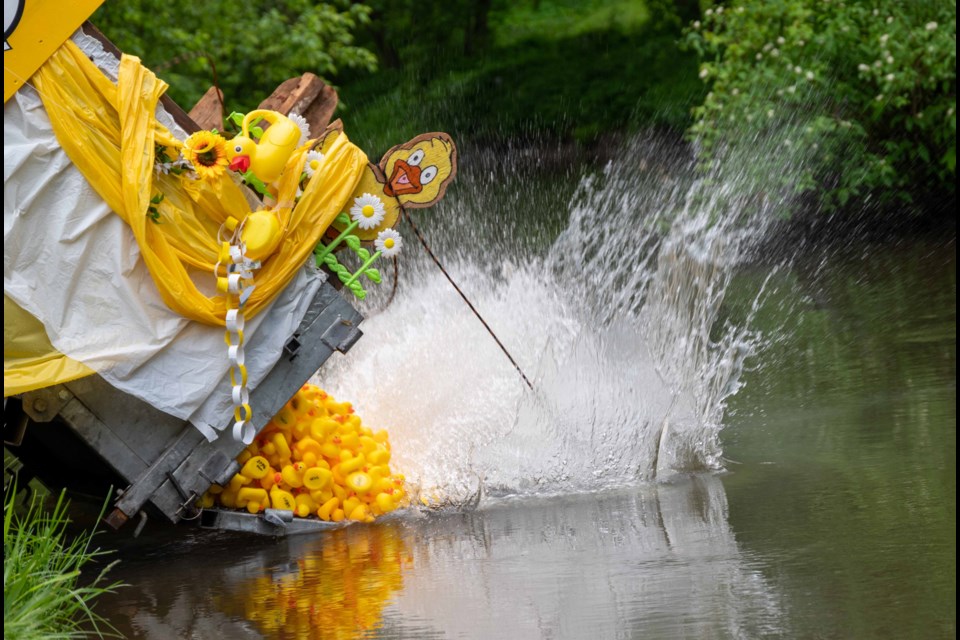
{"x":207,"y":152}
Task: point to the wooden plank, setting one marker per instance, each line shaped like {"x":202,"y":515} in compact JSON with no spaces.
{"x":208,"y":112}
{"x":320,"y":112}
{"x":307,"y":95}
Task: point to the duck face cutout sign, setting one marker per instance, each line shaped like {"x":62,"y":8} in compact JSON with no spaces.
{"x":418,"y":172}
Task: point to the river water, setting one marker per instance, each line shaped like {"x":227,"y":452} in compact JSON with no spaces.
{"x":729,"y":437}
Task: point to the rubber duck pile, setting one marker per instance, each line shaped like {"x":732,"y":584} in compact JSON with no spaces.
{"x":317,"y":459}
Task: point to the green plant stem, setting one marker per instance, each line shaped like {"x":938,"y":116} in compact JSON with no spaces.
{"x":336,"y":242}
{"x":363,"y":268}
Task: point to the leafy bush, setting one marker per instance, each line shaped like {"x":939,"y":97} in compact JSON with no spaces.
{"x":861,"y":96}
{"x":42,"y":596}
{"x":255,"y":45}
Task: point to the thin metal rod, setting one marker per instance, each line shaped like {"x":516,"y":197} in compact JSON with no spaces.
{"x":436,"y":261}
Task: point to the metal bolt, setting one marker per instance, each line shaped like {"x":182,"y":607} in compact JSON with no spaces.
{"x":40,"y":405}
{"x":63,"y":395}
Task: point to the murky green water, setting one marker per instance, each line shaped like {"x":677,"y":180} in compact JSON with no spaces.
{"x":836,"y":518}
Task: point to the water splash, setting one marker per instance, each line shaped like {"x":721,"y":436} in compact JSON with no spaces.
{"x":614,"y":312}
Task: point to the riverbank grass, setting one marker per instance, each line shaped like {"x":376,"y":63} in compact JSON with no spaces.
{"x":46,"y":591}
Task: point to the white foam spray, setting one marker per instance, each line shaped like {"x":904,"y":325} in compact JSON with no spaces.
{"x":613,"y":315}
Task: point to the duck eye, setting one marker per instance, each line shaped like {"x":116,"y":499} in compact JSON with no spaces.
{"x":415,"y":158}
{"x":238,"y":148}
{"x":428,"y":175}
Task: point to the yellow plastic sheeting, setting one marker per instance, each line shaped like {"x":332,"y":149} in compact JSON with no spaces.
{"x":109,"y":131}
{"x":29,"y":360}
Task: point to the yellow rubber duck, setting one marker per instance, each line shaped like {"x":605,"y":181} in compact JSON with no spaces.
{"x":267,"y":158}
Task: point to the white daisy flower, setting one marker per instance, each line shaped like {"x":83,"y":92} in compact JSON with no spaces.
{"x":303,"y":125}
{"x":388,"y":243}
{"x":314,"y":160}
{"x":368,"y":211}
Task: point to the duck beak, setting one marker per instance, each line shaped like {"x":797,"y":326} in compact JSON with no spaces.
{"x":405,"y":180}
{"x":240,"y":163}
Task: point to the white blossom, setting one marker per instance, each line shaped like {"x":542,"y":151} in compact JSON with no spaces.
{"x":931,"y":26}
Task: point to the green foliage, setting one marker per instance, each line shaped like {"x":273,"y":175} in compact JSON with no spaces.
{"x":153,"y":212}
{"x":556,"y":67}
{"x":860,"y":96}
{"x":254,"y":45}
{"x":42,"y":567}
{"x":324,"y":256}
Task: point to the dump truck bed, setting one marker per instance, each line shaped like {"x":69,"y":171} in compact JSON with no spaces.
{"x":166,"y":463}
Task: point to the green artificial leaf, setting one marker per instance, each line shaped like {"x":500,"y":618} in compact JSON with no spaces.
{"x":342,"y":218}
{"x":357,"y":290}
{"x":362,"y":253}
{"x":331,"y":260}
{"x":373,"y":275}
{"x":255,"y":182}
{"x":353,"y":242}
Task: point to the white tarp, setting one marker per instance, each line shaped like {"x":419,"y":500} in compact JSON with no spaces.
{"x":75,"y":265}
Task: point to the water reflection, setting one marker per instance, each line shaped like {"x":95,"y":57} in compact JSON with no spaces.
{"x":331,"y":586}
{"x":661,"y":559}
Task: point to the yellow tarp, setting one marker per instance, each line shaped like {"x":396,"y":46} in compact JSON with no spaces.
{"x":109,"y":132}
{"x":29,"y":360}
